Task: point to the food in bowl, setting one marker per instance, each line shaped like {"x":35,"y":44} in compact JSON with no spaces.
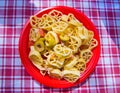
{"x":60,"y":45}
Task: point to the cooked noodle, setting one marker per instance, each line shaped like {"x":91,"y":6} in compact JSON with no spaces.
{"x":62,"y":45}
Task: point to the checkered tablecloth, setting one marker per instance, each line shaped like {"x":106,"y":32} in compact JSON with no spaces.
{"x":105,"y":14}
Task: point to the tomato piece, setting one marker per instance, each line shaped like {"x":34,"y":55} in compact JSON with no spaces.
{"x":41,"y":32}
{"x":58,"y":35}
{"x":31,"y":43}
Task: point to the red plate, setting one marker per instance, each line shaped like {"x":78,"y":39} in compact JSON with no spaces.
{"x":34,"y":72}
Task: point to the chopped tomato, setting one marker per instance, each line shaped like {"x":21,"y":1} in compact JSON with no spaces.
{"x":58,"y":35}
{"x":41,"y":32}
{"x":30,"y":43}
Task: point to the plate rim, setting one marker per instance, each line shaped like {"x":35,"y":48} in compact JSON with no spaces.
{"x":92,"y":66}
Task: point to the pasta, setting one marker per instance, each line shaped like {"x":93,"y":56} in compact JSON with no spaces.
{"x":74,"y":43}
{"x":71,"y":62}
{"x":55,"y":73}
{"x":55,"y":61}
{"x":36,"y":58}
{"x":59,"y":26}
{"x":34,"y":21}
{"x":56,"y":14}
{"x":71,"y":75}
{"x":62,"y":51}
{"x":86,"y":54}
{"x":62,"y":45}
{"x":93,"y":43}
{"x":46,"y":22}
{"x":34,"y":35}
{"x":80,"y":65}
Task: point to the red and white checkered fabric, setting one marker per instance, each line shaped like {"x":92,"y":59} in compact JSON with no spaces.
{"x":105,"y":14}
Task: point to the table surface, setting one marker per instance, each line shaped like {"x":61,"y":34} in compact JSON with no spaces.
{"x":105,"y":14}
